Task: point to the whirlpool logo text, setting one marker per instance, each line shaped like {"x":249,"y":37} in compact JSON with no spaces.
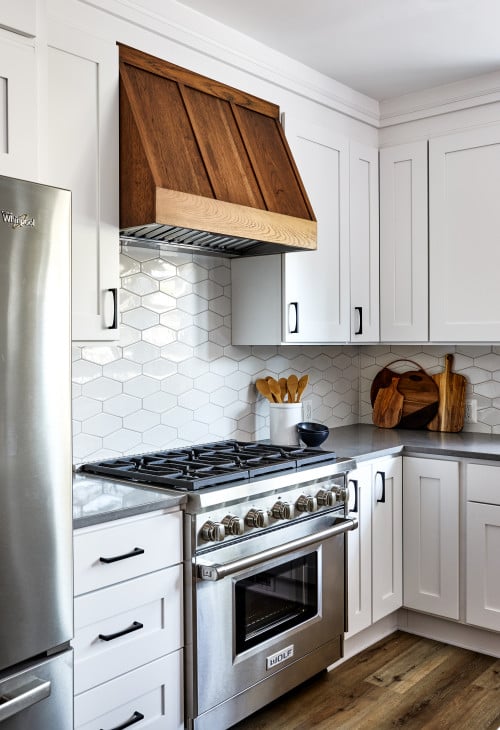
{"x":17,"y":221}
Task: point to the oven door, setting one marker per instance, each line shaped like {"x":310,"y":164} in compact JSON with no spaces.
{"x":267,"y":603}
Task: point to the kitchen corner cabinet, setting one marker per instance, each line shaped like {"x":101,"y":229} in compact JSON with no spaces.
{"x":82,"y":155}
{"x":128,"y":623}
{"x":18,"y":107}
{"x":404,"y":258}
{"x":483,"y":546}
{"x":439,"y":222}
{"x":375,"y":548}
{"x":304,"y":297}
{"x":431,"y":535}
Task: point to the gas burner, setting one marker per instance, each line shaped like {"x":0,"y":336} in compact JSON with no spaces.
{"x":208,"y":465}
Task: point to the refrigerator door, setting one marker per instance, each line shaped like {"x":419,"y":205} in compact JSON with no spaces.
{"x":38,"y":697}
{"x":35,"y":420}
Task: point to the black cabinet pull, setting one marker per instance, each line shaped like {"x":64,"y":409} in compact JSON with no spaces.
{"x":114,"y":324}
{"x":136,"y":717}
{"x":381,"y":474}
{"x":355,"y":484}
{"x":359,"y":310}
{"x":293,"y":318}
{"x":116,"y":558}
{"x":136,"y":625}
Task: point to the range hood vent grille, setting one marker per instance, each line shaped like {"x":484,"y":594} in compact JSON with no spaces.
{"x":205,"y":167}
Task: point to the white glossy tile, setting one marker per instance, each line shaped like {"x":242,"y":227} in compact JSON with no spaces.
{"x":177,"y":416}
{"x":158,"y":302}
{"x":193,"y":399}
{"x":84,"y":444}
{"x":141,"y":352}
{"x":159,"y":402}
{"x":84,"y":408}
{"x":102,"y":388}
{"x":122,"y":405}
{"x":102,"y":424}
{"x":192,"y":335}
{"x":139,"y":284}
{"x":141,"y":420}
{"x":159,"y":335}
{"x":177,"y":384}
{"x":159,"y":269}
{"x":159,"y":369}
{"x":84,"y":371}
{"x":160,"y":436}
{"x":140,"y":386}
{"x":140,"y":318}
{"x":122,"y":370}
{"x":123,"y":440}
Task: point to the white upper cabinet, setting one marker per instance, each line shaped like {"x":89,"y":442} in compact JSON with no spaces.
{"x":19,"y":16}
{"x":404,"y":309}
{"x":364,"y":243}
{"x":331,"y":294}
{"x":303,"y":296}
{"x":82,"y":155}
{"x":18,"y":107}
{"x":316,"y":284}
{"x":464,"y":194}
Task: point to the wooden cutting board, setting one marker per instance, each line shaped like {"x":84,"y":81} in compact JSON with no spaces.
{"x":420,"y":394}
{"x":388,"y":406}
{"x":450,"y":415}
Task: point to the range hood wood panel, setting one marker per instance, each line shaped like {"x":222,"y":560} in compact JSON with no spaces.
{"x":216,"y":162}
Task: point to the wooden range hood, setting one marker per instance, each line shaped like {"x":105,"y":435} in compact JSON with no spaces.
{"x":205,"y":167}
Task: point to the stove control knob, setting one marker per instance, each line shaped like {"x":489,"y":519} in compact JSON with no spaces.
{"x":282,"y":511}
{"x":307,"y":504}
{"x":233,"y":525}
{"x":326,"y":498}
{"x":213,"y":531}
{"x":257,"y":518}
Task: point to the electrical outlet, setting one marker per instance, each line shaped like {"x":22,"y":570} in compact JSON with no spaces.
{"x":307,"y":411}
{"x":470,"y":415}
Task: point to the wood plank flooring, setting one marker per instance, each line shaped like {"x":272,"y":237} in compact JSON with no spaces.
{"x":403,"y":681}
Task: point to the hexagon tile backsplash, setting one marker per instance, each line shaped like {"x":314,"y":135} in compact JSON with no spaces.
{"x":175,"y":379}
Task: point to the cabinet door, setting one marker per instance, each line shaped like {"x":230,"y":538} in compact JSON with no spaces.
{"x":364,"y":243}
{"x":19,"y":16}
{"x":464,"y":220}
{"x":18,"y":107}
{"x":431,"y":536}
{"x":359,"y":551}
{"x":387,"y":569}
{"x":316,"y":283}
{"x":404,"y":243}
{"x":82,"y":155}
{"x":483,"y":565}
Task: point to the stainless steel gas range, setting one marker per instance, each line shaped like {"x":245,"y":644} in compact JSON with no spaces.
{"x":265,"y":568}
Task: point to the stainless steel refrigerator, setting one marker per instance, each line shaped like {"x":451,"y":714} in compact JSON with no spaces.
{"x":36,"y":614}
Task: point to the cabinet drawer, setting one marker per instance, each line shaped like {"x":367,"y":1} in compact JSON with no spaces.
{"x":141,"y":619}
{"x":154,"y":691}
{"x":142,"y":544}
{"x":483,"y":483}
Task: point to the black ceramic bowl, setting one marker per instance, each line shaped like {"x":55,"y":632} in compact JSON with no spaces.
{"x":312,"y":434}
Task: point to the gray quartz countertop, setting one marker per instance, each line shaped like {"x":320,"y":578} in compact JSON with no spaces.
{"x":364,"y":441}
{"x":97,"y":499}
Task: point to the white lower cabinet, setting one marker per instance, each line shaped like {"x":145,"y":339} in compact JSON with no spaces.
{"x":129,"y":623}
{"x":431,"y":535}
{"x":148,"y":695}
{"x":375,"y":548}
{"x":483,"y":546}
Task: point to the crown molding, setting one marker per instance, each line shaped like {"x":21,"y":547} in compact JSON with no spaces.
{"x":457,"y":96}
{"x":186,"y":27}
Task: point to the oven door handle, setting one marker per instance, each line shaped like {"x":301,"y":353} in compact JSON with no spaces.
{"x":214,"y":571}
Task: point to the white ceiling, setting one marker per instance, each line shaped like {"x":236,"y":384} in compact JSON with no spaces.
{"x":382,"y":48}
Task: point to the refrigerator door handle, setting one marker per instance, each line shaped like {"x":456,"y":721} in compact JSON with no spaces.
{"x":15,"y":699}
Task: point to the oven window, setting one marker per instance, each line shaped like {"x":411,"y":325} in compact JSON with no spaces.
{"x":275,"y":600}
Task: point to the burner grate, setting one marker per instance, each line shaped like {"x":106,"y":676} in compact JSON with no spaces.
{"x":208,"y":465}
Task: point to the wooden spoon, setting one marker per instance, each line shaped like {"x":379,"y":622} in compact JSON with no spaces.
{"x":264,"y":389}
{"x":282,"y":382}
{"x":292,"y":385}
{"x":303,"y":381}
{"x":275,"y":389}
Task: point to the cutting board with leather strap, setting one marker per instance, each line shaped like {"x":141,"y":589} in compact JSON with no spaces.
{"x":420,"y":394}
{"x":450,"y":415}
{"x":388,"y":405}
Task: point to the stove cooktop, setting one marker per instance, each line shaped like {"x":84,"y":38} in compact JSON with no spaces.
{"x":208,"y":465}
